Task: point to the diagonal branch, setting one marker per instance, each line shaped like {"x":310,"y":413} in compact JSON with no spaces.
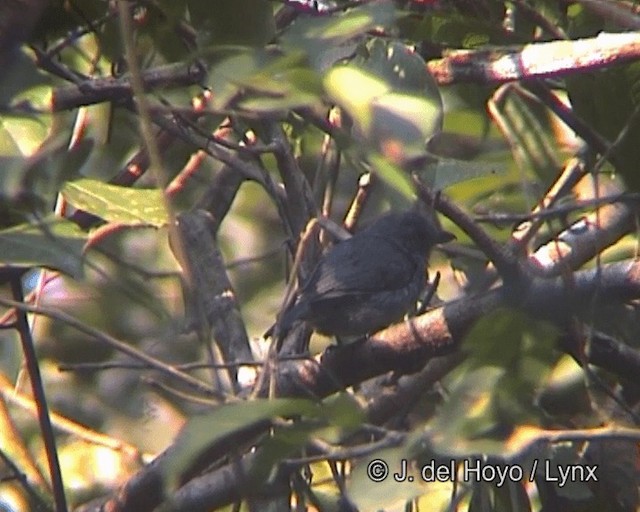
{"x":536,"y":60}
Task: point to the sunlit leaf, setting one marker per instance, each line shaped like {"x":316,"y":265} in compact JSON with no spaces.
{"x":117,"y":204}
{"x":355,"y":90}
{"x":23,"y":89}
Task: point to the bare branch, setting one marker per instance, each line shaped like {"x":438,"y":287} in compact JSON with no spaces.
{"x":536,"y":60}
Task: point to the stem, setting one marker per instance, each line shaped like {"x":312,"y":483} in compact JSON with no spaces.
{"x":37,"y":388}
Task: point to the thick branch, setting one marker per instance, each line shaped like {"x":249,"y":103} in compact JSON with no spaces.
{"x":212,"y":292}
{"x":97,"y":90}
{"x":536,"y":60}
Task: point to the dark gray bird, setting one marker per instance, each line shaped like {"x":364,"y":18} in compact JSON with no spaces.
{"x":370,"y":280}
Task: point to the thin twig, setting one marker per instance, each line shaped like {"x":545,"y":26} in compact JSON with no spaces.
{"x":66,"y":425}
{"x":33,"y":368}
{"x":111,"y":342}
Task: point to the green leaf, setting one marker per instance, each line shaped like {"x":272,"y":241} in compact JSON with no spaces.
{"x":21,"y":135}
{"x":527,"y":127}
{"x":467,"y":32}
{"x":262,"y":80}
{"x":465,"y":422}
{"x":394,"y":176}
{"x":327,"y":39}
{"x":54,"y":243}
{"x":160,"y":22}
{"x":273,"y":90}
{"x":343,"y":410}
{"x":391,"y":97}
{"x":232,"y":22}
{"x":608,"y":101}
{"x":447,"y":172}
{"x":524,"y":349}
{"x":205,"y":431}
{"x":509,"y":357}
{"x":384,"y":493}
{"x":399,"y":66}
{"x":330,"y":417}
{"x":117,"y":204}
{"x":355,"y":90}
{"x":25,"y":87}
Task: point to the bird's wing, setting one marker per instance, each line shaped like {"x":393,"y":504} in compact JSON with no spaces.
{"x":367,"y":268}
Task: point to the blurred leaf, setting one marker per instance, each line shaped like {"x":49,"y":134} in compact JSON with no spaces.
{"x":27,"y":88}
{"x":391,"y":97}
{"x":509,"y":356}
{"x":404,"y":120}
{"x":550,"y":10}
{"x":262,"y":80}
{"x":385,"y":493}
{"x":54,"y":243}
{"x":399,"y":66}
{"x":565,"y":392}
{"x":326,"y":39}
{"x":204,"y":431}
{"x":524,"y":348}
{"x":21,"y":135}
{"x":506,"y":336}
{"x":61,"y":18}
{"x":285,"y":442}
{"x":467,"y":420}
{"x":564,"y":455}
{"x":526,"y":125}
{"x":310,"y":30}
{"x":232,"y":22}
{"x":117,"y":204}
{"x":447,"y":172}
{"x":609,"y":101}
{"x":272,"y":89}
{"x":25,"y":83}
{"x":457,"y":31}
{"x":467,"y":32}
{"x":160,"y":23}
{"x":394,"y":176}
{"x":355,"y":90}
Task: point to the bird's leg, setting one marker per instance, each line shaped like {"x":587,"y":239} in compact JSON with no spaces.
{"x":427,"y":294}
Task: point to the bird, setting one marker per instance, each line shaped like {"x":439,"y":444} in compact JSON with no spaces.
{"x":369,"y":281}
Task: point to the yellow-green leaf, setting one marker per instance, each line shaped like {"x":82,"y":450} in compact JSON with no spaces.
{"x":125,"y":205}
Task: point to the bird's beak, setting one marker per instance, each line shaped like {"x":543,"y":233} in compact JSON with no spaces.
{"x":445,"y":237}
